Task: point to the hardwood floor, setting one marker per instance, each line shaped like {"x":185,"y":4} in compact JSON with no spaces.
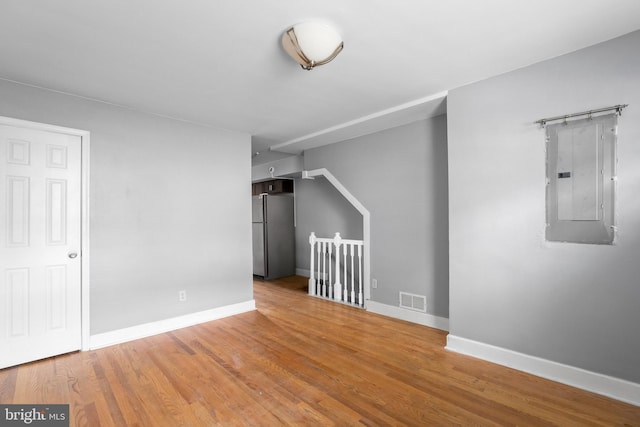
{"x":299,"y":360}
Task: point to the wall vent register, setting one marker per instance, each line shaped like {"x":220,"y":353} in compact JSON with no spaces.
{"x":413,"y":301}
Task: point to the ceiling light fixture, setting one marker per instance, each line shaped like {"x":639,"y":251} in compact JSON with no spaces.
{"x":312,"y":44}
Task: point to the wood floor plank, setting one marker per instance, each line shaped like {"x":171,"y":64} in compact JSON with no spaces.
{"x":70,"y":370}
{"x":299,"y":360}
{"x":286,"y":383}
{"x":356,"y":375}
{"x":8,"y":379}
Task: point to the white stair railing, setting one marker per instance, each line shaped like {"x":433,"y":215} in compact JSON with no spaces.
{"x":334,"y":278}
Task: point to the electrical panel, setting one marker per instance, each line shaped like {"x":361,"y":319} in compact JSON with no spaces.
{"x":581,"y":180}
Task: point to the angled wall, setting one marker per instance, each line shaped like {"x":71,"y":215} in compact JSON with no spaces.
{"x":321,"y":209}
{"x":400,"y":176}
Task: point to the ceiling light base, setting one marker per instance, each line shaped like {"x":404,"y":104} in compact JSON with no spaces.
{"x":311,"y":44}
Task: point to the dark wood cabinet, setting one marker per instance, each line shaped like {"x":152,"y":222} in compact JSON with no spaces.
{"x":256,"y":188}
{"x":273,"y":186}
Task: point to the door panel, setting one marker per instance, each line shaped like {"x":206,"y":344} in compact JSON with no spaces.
{"x":17,"y":211}
{"x":18,"y":302}
{"x":578,"y":194}
{"x":40,"y":210}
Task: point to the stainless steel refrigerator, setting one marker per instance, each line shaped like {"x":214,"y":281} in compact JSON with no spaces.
{"x":274,"y":253}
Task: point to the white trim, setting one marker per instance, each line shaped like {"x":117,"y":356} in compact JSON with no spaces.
{"x":85,"y":251}
{"x":605,"y":385}
{"x":303,"y":272}
{"x":366,"y":223}
{"x":161,"y":326}
{"x":8,"y":121}
{"x":307,"y":274}
{"x":418,"y":109}
{"x":424,"y":319}
{"x":85,"y":195}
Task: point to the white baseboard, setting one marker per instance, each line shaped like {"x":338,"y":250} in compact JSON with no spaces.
{"x":303,"y":273}
{"x":307,"y":273}
{"x":153,"y":328}
{"x":615,"y":388}
{"x":408,"y":315}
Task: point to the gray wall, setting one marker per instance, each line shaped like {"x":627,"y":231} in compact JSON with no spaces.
{"x":572,"y":303}
{"x":400,"y":176}
{"x":170,"y":208}
{"x":322,"y":209}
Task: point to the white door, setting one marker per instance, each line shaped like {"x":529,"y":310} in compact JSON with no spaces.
{"x":40,"y":225}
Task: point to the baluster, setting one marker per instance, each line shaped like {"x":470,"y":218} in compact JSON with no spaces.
{"x":330,"y":287}
{"x":312,"y":279}
{"x":324,"y":270}
{"x":329,"y":276}
{"x":353,"y":291}
{"x":345,"y":248}
{"x":360,"y":299}
{"x":318,"y":266}
{"x":337,"y":287}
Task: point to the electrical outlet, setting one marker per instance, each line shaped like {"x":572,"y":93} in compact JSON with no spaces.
{"x":182,"y":295}
{"x":374,"y":283}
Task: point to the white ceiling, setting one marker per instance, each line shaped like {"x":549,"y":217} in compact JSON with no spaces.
{"x":219,"y":62}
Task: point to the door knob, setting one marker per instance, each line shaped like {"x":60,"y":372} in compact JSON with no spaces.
{"x":72,"y":255}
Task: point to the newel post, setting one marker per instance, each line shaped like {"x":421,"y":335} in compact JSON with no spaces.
{"x":312,"y":279}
